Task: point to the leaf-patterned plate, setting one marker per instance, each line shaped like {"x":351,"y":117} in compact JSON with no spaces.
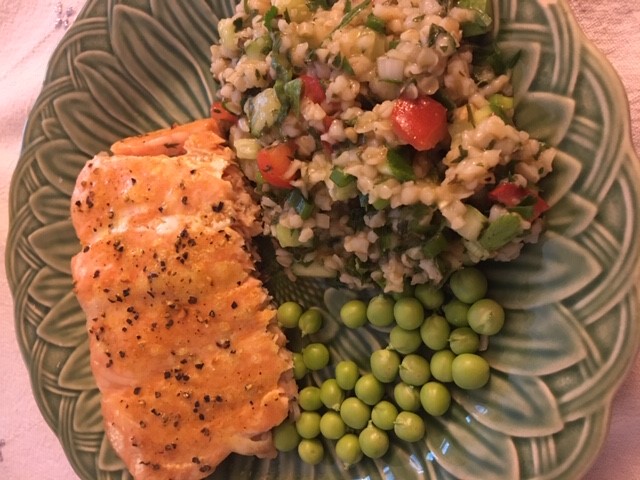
{"x":129,"y":66}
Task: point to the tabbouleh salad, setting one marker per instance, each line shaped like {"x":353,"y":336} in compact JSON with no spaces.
{"x":380,"y":136}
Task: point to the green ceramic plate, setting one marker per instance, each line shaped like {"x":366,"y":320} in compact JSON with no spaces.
{"x":131,"y":66}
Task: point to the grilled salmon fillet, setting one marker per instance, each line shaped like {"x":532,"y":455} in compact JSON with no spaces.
{"x":184,"y":346}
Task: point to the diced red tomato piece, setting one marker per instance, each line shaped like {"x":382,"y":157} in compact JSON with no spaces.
{"x":508,"y":194}
{"x":512,"y":195}
{"x":274,"y":163}
{"x":312,"y":89}
{"x":540,"y":207}
{"x":420,"y":122}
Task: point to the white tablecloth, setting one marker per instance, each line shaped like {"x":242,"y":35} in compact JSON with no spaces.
{"x":30,"y":30}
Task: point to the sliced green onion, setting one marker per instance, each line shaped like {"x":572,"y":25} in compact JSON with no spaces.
{"x":301,"y":205}
{"x":269,"y":16}
{"x":340,"y":178}
{"x":351,"y":14}
{"x":400,"y":166}
{"x":434,"y":245}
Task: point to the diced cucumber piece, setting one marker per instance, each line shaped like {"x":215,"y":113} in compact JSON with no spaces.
{"x":474,"y":223}
{"x":502,"y":106}
{"x":501,"y":231}
{"x":227,"y":33}
{"x":258,"y":48}
{"x":479,"y":114}
{"x":262,"y":111}
{"x":344,"y":193}
{"x":502,"y":101}
{"x":297,"y":10}
{"x":247,"y":148}
{"x":287,"y":237}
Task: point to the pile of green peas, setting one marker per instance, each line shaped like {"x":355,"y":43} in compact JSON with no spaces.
{"x":435,"y":340}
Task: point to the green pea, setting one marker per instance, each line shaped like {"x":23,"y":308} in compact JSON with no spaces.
{"x":404,"y":341}
{"x":414,"y":370}
{"x":309,"y":398}
{"x":409,"y":427}
{"x":299,"y":368}
{"x":486,"y":316}
{"x":407,"y":396}
{"x":380,"y":311}
{"x":440,"y":364}
{"x":311,"y":451}
{"x":315,"y":356}
{"x":347,"y":374}
{"x":435,"y":398}
{"x":285,"y":436}
{"x":310,"y":322}
{"x":308,"y":424}
{"x":464,"y":340}
{"x":435,"y":332}
{"x":288,"y":314}
{"x":431,"y":297}
{"x":408,"y":313}
{"x":384,"y":365}
{"x":331,"y":394}
{"x":468,"y":285}
{"x":354,"y":313}
{"x":455,"y":312}
{"x":470,"y":371}
{"x":369,"y":389}
{"x":348,"y":449}
{"x":355,"y":413}
{"x":374,"y":441}
{"x":332,"y":426}
{"x":384,"y":414}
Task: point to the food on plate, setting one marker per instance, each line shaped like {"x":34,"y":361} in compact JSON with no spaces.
{"x":184,"y":342}
{"x":380,"y":135}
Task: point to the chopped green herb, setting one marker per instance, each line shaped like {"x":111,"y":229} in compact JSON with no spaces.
{"x":301,"y":205}
{"x":375,"y":23}
{"x":351,"y":14}
{"x":269,"y":17}
{"x":293,"y":92}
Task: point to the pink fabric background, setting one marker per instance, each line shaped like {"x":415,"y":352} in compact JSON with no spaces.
{"x":28,"y":35}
